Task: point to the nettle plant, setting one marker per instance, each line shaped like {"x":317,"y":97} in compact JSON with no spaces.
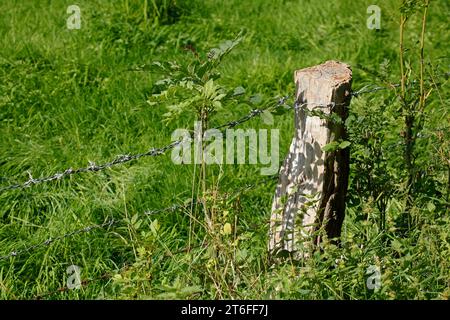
{"x":194,"y":87}
{"x":193,"y":90}
{"x":415,"y":95}
{"x":398,"y":143}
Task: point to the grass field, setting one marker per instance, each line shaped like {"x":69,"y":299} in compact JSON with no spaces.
{"x":68,"y":97}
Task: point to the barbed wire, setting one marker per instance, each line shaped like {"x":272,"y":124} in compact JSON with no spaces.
{"x":53,"y":240}
{"x":109,"y":274}
{"x":112,"y":222}
{"x":171,"y":208}
{"x":152,"y":152}
{"x":368,"y":89}
{"x":253,"y":113}
{"x":198,"y":200}
{"x":121,"y":159}
{"x":92,"y":167}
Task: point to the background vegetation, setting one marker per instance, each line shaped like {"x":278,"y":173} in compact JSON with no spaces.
{"x":68,"y":97}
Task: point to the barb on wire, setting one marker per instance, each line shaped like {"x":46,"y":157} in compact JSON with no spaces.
{"x":50,"y":241}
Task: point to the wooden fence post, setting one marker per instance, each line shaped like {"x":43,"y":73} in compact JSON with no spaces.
{"x":310,"y":195}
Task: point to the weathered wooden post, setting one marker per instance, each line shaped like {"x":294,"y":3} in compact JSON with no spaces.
{"x":312,"y":186}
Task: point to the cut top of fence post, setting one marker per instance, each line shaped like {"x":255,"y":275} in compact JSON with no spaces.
{"x":316,"y":85}
{"x":312,"y":185}
{"x":334,"y":71}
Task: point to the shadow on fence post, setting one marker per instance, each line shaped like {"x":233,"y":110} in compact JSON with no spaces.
{"x":309,"y":200}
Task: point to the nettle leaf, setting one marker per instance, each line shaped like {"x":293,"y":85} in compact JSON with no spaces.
{"x":188,"y":84}
{"x":330,"y":147}
{"x":208,"y":89}
{"x":174,"y":65}
{"x":191,"y":68}
{"x":241,"y":255}
{"x":349,"y":121}
{"x":215,"y":55}
{"x":334,"y":117}
{"x":161,"y":96}
{"x":280,"y":110}
{"x":431,"y":207}
{"x":203,"y":71}
{"x":214,"y":75}
{"x":344,"y":144}
{"x":159,"y":65}
{"x":176,"y":110}
{"x":187,"y":291}
{"x":217,"y":104}
{"x":154,"y":227}
{"x":220,"y":97}
{"x":152,"y":103}
{"x":163,"y":82}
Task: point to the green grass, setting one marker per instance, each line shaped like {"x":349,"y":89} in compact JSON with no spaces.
{"x":68,"y":97}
